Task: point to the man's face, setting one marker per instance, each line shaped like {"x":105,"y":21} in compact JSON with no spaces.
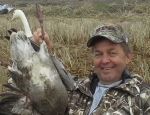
{"x":109,"y":61}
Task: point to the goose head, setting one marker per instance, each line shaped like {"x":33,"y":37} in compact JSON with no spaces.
{"x":17,"y":14}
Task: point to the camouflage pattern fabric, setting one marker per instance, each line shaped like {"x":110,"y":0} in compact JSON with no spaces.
{"x":131,"y":97}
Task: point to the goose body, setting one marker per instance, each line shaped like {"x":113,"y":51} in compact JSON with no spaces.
{"x":34,"y":78}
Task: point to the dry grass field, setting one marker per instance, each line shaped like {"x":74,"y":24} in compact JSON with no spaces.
{"x":69,"y":28}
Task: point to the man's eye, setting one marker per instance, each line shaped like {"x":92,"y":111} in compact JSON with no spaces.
{"x":97,"y":55}
{"x":113,"y":53}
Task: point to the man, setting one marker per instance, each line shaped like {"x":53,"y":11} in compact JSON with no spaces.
{"x":111,"y":89}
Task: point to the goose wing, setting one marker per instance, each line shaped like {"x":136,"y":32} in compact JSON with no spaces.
{"x":9,"y":101}
{"x":65,"y":76}
{"x":14,"y":102}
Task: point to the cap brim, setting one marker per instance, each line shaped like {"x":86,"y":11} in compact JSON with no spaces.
{"x":97,"y":38}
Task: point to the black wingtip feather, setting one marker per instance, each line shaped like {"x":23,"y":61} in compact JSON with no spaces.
{"x":7,"y":37}
{"x":11,"y":87}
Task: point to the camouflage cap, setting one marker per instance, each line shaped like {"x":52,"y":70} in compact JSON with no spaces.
{"x":115,"y":33}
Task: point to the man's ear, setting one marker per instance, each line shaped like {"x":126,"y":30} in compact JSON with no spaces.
{"x":129,"y":57}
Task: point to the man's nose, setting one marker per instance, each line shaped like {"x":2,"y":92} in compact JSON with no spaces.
{"x":105,"y":59}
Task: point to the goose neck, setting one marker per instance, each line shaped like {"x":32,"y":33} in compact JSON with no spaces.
{"x":26,"y":26}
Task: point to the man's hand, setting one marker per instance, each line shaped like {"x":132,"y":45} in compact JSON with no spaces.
{"x":37,"y":38}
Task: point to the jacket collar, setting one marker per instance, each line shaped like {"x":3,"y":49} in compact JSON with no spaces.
{"x":130,"y":83}
{"x":132,"y":86}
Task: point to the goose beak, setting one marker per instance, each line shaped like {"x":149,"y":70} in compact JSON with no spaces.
{"x":12,"y":19}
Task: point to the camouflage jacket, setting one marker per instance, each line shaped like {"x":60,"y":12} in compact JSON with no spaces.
{"x":131,"y":97}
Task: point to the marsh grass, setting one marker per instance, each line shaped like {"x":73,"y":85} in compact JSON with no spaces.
{"x":69,"y":36}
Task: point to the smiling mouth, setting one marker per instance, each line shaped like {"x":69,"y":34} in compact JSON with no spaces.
{"x":107,"y":68}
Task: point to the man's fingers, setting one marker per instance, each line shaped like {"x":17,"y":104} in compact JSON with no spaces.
{"x":46,"y":38}
{"x":36,"y":38}
{"x":47,"y":41}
